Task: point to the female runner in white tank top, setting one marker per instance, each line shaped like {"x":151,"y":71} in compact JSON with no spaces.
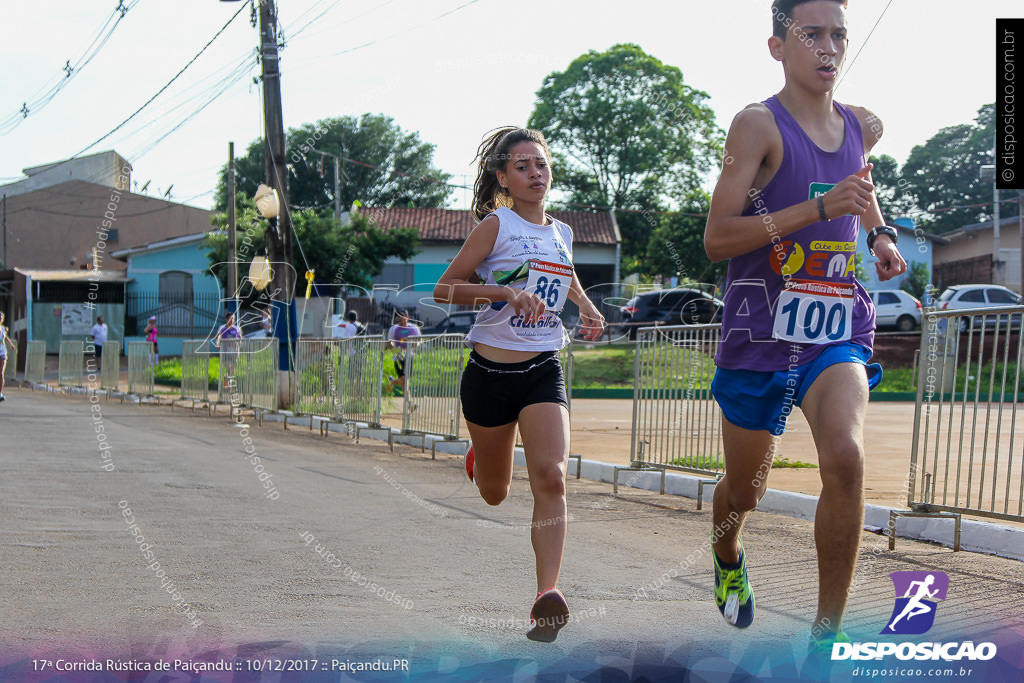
{"x":517,"y":264}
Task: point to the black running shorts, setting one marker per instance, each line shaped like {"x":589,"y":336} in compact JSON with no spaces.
{"x":494,"y":393}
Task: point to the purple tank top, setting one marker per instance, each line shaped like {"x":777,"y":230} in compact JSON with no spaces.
{"x":788,"y":301}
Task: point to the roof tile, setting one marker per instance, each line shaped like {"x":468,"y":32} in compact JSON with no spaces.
{"x":452,"y":225}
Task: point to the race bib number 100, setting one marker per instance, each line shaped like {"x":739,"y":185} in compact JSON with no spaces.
{"x":551,"y":282}
{"x":812,"y":312}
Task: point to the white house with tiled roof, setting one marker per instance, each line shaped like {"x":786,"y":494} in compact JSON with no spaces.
{"x":442,"y":232}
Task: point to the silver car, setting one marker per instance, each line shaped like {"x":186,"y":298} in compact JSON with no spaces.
{"x":965,"y":297}
{"x":896,"y":308}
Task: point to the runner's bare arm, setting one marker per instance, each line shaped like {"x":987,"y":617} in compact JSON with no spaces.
{"x":728,"y":232}
{"x":456,"y":285}
{"x":591,"y":319}
{"x":890,"y":262}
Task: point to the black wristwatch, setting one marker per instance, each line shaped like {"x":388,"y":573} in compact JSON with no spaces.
{"x":873,"y":234}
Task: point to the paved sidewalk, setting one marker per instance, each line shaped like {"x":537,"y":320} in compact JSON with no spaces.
{"x":271,"y":557}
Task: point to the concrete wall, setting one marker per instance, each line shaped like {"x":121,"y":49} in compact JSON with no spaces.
{"x":50,"y":228}
{"x":106,"y":168}
{"x":46,"y":324}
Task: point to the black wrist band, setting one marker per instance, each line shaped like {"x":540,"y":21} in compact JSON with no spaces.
{"x":821,"y":207}
{"x":873,"y":234}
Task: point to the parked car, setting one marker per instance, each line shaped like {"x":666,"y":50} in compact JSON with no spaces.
{"x":682,"y":306}
{"x":454,"y":323}
{"x":978,"y":296}
{"x":896,"y":308}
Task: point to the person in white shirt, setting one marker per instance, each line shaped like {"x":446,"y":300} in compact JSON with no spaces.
{"x":4,"y":343}
{"x":516,"y":265}
{"x":99,"y":337}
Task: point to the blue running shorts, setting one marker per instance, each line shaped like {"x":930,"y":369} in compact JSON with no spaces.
{"x":763,"y":400}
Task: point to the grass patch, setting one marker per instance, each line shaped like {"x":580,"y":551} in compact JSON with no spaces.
{"x":168,"y":372}
{"x":784,"y":463}
{"x":701,"y":462}
{"x":602,"y":368}
{"x":714,"y":463}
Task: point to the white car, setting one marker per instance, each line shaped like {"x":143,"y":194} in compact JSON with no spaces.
{"x":960,"y":297}
{"x":896,"y":308}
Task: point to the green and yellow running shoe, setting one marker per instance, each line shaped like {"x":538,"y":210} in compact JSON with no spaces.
{"x":823,"y":645}
{"x":733,"y":594}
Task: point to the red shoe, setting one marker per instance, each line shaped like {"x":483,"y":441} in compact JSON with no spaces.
{"x":470,"y":459}
{"x":549,"y":614}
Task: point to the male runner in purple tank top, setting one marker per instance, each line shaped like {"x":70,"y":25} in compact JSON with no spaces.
{"x":797,"y":328}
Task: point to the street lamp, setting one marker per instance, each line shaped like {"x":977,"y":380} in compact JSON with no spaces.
{"x":269,"y":206}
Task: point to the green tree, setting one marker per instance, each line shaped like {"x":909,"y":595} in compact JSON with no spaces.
{"x":628,"y":133}
{"x":892,"y":189}
{"x":944,"y":172}
{"x":352,"y":254}
{"x":398,"y":168}
{"x":676,"y":246}
{"x":918,"y":278}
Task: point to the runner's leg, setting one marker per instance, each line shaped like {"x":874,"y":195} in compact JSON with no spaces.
{"x":748,"y":459}
{"x":545,"y":431}
{"x":835,"y":406}
{"x":493,"y":447}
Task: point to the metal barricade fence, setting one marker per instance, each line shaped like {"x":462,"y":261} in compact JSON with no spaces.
{"x":140,"y":368}
{"x":317,"y":376}
{"x":676,"y":422}
{"x":35,"y":362}
{"x":966,"y":449}
{"x":195,"y":370}
{"x":71,"y":364}
{"x":110,"y":366}
{"x":257,"y":368}
{"x":362,"y":379}
{"x":433,"y":372}
{"x":11,"y":369}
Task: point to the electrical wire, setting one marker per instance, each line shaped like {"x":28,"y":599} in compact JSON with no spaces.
{"x":45,"y":95}
{"x":862,"y":46}
{"x":167,"y":85}
{"x":394,"y":35}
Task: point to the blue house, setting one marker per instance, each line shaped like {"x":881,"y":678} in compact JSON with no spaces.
{"x":917,"y":246}
{"x":171,"y":280}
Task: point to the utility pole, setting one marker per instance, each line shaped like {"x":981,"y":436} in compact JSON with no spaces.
{"x":232,"y":229}
{"x":997,"y":278}
{"x":1020,"y":227}
{"x":279,"y":243}
{"x":337,"y":189}
{"x":6,"y":266}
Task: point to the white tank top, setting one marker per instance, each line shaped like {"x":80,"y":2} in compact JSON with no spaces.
{"x":526,"y":256}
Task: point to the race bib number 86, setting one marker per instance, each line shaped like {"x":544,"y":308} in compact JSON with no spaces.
{"x":551,"y":282}
{"x":812,"y":312}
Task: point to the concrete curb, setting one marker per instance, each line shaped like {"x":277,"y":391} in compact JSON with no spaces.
{"x":976,"y":536}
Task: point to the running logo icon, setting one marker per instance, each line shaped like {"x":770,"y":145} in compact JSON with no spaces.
{"x":917,"y":596}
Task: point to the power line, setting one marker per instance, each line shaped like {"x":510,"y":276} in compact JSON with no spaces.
{"x":69,"y":71}
{"x":167,"y":85}
{"x":400,"y":33}
{"x":862,"y":46}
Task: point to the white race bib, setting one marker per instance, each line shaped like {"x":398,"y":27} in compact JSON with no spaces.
{"x":814,"y":312}
{"x":551,"y":282}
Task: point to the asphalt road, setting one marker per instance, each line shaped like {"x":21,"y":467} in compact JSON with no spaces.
{"x":326,"y":551}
